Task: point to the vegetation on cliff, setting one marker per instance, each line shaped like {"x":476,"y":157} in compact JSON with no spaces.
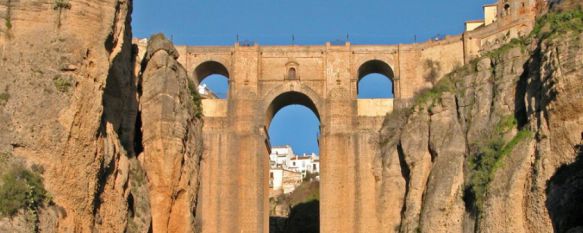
{"x":22,"y":190}
{"x":62,"y":4}
{"x":486,"y":157}
{"x":429,"y":96}
{"x":556,"y":24}
{"x":497,"y":99}
{"x":196,"y":99}
{"x":4,"y":97}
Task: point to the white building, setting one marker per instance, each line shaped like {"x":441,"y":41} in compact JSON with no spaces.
{"x":305,"y":163}
{"x":205,"y":92}
{"x":287,"y":170}
{"x":283,"y":180}
{"x":280,"y":155}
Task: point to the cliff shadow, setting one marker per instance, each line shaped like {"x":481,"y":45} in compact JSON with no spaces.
{"x":565,"y":195}
{"x":277,"y":224}
{"x":528,"y":84}
{"x":303,"y":218}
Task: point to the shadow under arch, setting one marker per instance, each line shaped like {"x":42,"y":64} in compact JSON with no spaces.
{"x":376,"y":67}
{"x":285,"y":95}
{"x":208,"y":68}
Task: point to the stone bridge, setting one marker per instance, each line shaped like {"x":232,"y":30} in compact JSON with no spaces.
{"x":324,"y":78}
{"x":263,"y":80}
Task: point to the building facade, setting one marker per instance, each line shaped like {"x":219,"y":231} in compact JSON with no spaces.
{"x":306,"y":163}
{"x":288,"y":170}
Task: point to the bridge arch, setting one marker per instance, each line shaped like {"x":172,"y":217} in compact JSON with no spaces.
{"x":277,"y":100}
{"x":218,"y":82}
{"x":376,"y":66}
{"x":290,"y":94}
{"x":208,"y":68}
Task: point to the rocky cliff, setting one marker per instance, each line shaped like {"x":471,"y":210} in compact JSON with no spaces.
{"x":494,"y":146}
{"x":73,"y":93}
{"x":69,"y":104}
{"x":171,"y":138}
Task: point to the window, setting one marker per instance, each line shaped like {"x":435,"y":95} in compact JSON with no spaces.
{"x":291,"y":74}
{"x":314,"y":167}
{"x":506,"y":9}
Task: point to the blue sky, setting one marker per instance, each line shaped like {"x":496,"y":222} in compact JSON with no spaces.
{"x":273,"y":22}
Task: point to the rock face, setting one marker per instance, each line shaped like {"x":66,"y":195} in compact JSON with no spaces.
{"x":120,"y":150}
{"x":69,"y":104}
{"x":493,"y":146}
{"x":170,"y":137}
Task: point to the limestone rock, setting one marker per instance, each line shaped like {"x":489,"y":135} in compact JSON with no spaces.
{"x":414,"y":141}
{"x":171,"y":141}
{"x":70,"y":104}
{"x":530,"y":100}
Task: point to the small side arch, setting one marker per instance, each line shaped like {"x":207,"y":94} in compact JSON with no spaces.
{"x":208,"y":68}
{"x":218,"y":80}
{"x":376,"y":67}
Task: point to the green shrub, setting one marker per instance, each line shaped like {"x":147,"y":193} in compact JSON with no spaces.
{"x":20,"y":189}
{"x":445,"y":84}
{"x":558,"y":23}
{"x":62,"y":84}
{"x":4,"y":97}
{"x":8,"y":23}
{"x":520,"y":136}
{"x":505,"y":124}
{"x":393,"y":124}
{"x":62,"y":4}
{"x":196,"y":98}
{"x":487,"y":156}
{"x":520,"y":42}
{"x":4,"y":157}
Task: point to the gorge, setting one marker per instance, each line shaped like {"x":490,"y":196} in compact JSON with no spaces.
{"x":100,"y":132}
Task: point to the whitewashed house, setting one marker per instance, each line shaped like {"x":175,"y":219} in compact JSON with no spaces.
{"x":287,"y":170}
{"x":306,"y":163}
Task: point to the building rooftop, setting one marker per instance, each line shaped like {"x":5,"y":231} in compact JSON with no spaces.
{"x":475,"y":21}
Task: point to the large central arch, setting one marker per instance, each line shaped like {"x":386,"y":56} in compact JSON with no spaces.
{"x":279,"y":102}
{"x":288,"y":94}
{"x":286,"y":99}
